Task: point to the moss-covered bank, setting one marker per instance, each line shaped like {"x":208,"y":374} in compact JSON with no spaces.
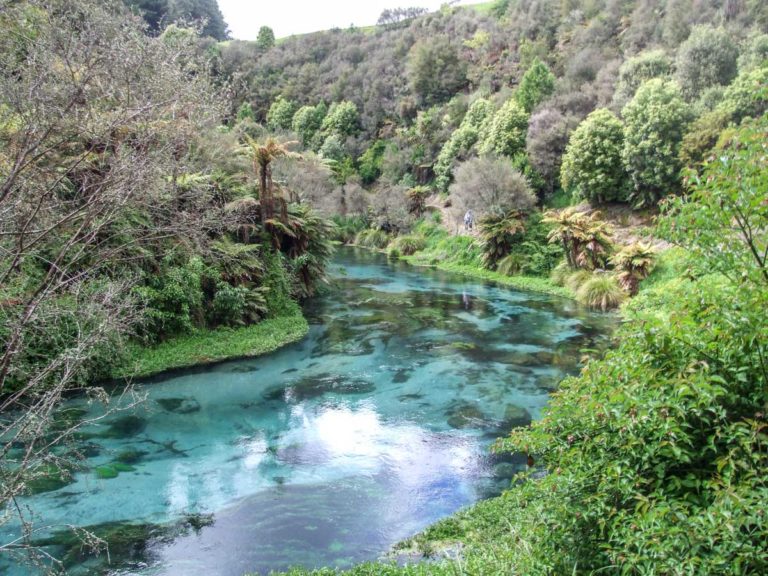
{"x":208,"y":346}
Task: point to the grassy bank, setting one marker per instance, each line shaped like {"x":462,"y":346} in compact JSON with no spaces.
{"x":204,"y":347}
{"x":462,"y":255}
{"x":529,"y":283}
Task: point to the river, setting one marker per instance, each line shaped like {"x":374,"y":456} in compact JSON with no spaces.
{"x":330,"y":450}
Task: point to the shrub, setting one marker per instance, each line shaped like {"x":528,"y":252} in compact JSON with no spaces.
{"x":369,"y":164}
{"x":343,"y":119}
{"x":306,"y":123}
{"x":601,"y":292}
{"x":560,"y":273}
{"x":499,"y":233}
{"x":372,"y":238}
{"x":491,"y":187}
{"x":656,"y":120}
{"x":408,"y":245}
{"x":173,"y":300}
{"x":348,"y":227}
{"x":576,"y":279}
{"x":511,"y":265}
{"x":592,"y":166}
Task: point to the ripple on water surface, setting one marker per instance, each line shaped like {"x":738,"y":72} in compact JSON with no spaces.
{"x":329,"y":450}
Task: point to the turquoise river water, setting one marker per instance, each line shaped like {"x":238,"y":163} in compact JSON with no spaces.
{"x":330,"y":450}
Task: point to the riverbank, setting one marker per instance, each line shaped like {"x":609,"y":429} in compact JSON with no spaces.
{"x":527,"y":283}
{"x":210,"y":346}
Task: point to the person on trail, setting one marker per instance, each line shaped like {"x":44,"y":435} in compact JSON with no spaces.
{"x":469,"y":220}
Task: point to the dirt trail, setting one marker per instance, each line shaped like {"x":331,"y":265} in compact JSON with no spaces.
{"x":450,"y":219}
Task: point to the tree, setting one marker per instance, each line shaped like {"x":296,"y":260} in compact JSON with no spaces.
{"x":724,"y":219}
{"x":633,"y":264}
{"x":205,"y":12}
{"x":280,"y":115}
{"x":265,"y":39}
{"x":505,"y":134}
{"x":262,"y":155}
{"x":462,"y":140}
{"x":92,"y":146}
{"x":707,"y":58}
{"x":656,"y":120}
{"x":343,"y":119}
{"x":592,"y":166}
{"x":636,"y":71}
{"x":548,"y":134}
{"x":306,"y":123}
{"x":584,"y":237}
{"x":490,"y":187}
{"x":537,"y":83}
{"x":435,"y":71}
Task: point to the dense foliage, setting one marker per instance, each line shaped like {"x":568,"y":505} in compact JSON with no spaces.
{"x":655,"y":454}
{"x":123,"y":222}
{"x":592,"y":165}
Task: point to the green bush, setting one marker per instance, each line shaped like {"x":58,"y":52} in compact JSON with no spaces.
{"x":369,"y":164}
{"x":656,"y":120}
{"x":505,"y":133}
{"x":408,"y":245}
{"x":280,"y":114}
{"x":343,"y":119}
{"x":592,"y":166}
{"x":707,"y":58}
{"x":601,"y":292}
{"x":348,"y":227}
{"x":173,"y":299}
{"x":306,"y":123}
{"x":372,"y":238}
{"x":537,"y":83}
{"x":636,"y":71}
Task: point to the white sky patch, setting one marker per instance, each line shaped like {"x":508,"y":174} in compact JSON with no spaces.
{"x":288,"y":17}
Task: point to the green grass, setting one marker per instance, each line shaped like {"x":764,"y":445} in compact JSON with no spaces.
{"x":205,"y":347}
{"x":529,"y":283}
{"x":462,"y":255}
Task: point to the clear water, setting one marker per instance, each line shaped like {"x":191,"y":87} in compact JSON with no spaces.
{"x":330,"y":450}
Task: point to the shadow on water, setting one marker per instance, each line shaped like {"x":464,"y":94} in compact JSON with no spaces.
{"x":329,"y":450}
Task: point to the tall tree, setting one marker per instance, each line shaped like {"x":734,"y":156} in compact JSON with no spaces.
{"x":265,"y":39}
